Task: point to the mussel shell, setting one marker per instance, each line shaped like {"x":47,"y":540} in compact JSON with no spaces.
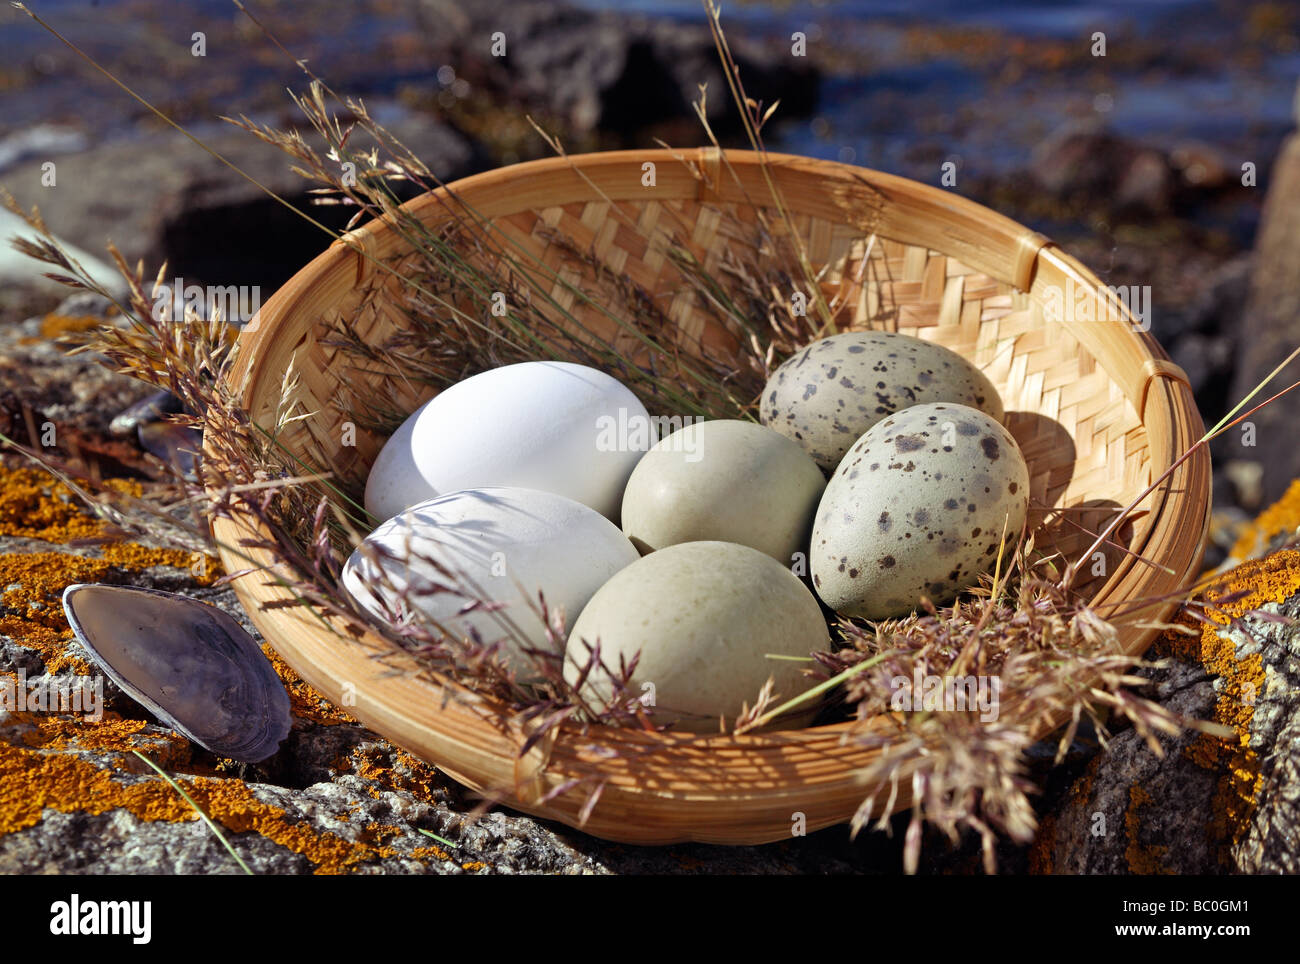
{"x":151,"y":408}
{"x":190,"y":664}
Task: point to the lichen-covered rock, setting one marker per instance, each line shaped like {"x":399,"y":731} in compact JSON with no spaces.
{"x":1276,"y":527}
{"x":1210,"y":804}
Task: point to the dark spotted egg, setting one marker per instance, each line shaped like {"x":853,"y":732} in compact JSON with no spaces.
{"x":917,"y":508}
{"x":831,"y":392}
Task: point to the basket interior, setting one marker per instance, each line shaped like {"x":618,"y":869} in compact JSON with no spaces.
{"x":1085,"y":444}
{"x":897,"y":256}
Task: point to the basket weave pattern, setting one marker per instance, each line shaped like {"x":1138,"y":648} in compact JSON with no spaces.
{"x":1098,"y":410}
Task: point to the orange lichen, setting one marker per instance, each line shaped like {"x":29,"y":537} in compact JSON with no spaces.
{"x":304,"y":701}
{"x":1142,"y":858}
{"x":55,"y":325}
{"x":112,"y":733}
{"x":1283,"y":516}
{"x":36,"y":506}
{"x":1250,"y":586}
{"x":33,"y":780}
{"x":30,"y":586}
{"x":51,"y":644}
{"x":205,"y":569}
{"x":1041,"y":859}
{"x":128,"y":487}
{"x":412,"y":775}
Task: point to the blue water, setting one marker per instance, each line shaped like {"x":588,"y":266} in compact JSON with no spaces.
{"x":908,"y":114}
{"x":1049,"y":17}
{"x":886,"y":104}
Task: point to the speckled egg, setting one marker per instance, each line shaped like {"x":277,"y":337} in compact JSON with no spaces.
{"x":916,"y":508}
{"x":831,"y":392}
{"x":724,"y":480}
{"x":704,"y":616}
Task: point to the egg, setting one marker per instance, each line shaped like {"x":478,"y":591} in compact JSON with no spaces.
{"x":704,"y":616}
{"x":917,"y":508}
{"x":553,"y":426}
{"x":727,"y":481}
{"x":831,"y":392}
{"x":501,"y":543}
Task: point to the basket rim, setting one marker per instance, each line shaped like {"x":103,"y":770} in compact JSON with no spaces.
{"x":1163,"y":396}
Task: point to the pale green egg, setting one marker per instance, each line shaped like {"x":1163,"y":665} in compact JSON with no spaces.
{"x":828,"y":394}
{"x":727,"y":481}
{"x":705,"y":618}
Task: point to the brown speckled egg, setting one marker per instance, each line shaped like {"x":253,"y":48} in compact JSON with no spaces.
{"x":917,"y":508}
{"x":826,"y":396}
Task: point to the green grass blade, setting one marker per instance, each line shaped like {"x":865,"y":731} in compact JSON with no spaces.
{"x":197,"y":809}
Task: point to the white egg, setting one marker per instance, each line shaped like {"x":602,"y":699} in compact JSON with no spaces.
{"x":552,"y":426}
{"x":394,"y":477}
{"x":502,"y":544}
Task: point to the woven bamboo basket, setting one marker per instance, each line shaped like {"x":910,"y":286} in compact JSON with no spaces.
{"x":1098,"y":409}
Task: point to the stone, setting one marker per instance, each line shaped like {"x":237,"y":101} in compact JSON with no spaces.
{"x":1216,"y":308}
{"x":1209,"y":804}
{"x":616,"y":72}
{"x":1087,"y":160}
{"x":162,"y":198}
{"x":1200,"y":166}
{"x":1270,"y":324}
{"x":40,"y":383}
{"x":1207,"y":360}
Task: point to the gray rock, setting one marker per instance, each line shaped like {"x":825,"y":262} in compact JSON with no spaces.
{"x":1270,"y":842}
{"x":1207,"y":360}
{"x":1188,"y":811}
{"x":612,"y":71}
{"x":1217,"y":307}
{"x":1270,"y":325}
{"x":1200,"y":166}
{"x":77,"y":393}
{"x":1088,"y":161}
{"x":1123,"y":815}
{"x":161,"y":197}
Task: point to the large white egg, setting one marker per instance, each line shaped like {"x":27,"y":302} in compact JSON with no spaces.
{"x":501,"y":543}
{"x":553,"y":426}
